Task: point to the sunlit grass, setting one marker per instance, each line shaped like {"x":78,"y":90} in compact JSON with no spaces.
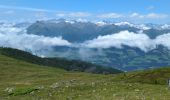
{"x":24,"y":81}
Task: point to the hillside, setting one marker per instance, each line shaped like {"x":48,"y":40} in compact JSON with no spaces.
{"x":154,"y":76}
{"x":69,"y":65}
{"x":20,"y":80}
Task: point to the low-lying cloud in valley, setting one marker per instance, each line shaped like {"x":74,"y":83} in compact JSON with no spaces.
{"x":131,"y":39}
{"x":15,"y":37}
{"x":18,"y":38}
{"x":163,"y":40}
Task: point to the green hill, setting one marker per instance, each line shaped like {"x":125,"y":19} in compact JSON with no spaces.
{"x":69,"y":65}
{"x":154,"y":76}
{"x":20,"y":80}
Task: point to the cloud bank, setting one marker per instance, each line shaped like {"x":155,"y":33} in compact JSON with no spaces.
{"x":14,"y":37}
{"x":17,"y":38}
{"x":139,"y":40}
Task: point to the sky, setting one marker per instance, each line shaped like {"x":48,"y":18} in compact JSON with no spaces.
{"x":136,"y":11}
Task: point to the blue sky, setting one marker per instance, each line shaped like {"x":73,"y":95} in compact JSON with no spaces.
{"x":137,"y":11}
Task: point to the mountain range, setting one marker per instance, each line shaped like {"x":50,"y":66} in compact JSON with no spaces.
{"x":124,"y":46}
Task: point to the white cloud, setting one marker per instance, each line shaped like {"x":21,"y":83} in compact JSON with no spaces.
{"x":148,"y":16}
{"x":131,"y":39}
{"x":124,"y":23}
{"x":163,"y":40}
{"x":156,"y":16}
{"x":110,"y":15}
{"x":165,"y":26}
{"x":60,"y":15}
{"x":79,"y":14}
{"x":17,"y":38}
{"x":139,"y":40}
{"x":133,"y":15}
{"x":73,"y":14}
{"x":136,"y":15}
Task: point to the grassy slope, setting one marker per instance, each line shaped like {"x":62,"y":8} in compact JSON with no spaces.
{"x":70,"y":65}
{"x":24,"y":81}
{"x":155,"y":76}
